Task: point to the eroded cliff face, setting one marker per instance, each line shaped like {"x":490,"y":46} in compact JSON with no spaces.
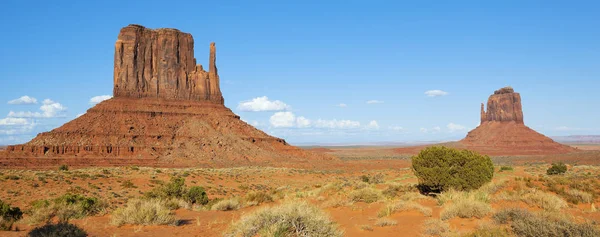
{"x":160,"y":63}
{"x":503,"y":106}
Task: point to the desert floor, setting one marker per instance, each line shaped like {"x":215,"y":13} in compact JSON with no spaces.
{"x":381,"y":172}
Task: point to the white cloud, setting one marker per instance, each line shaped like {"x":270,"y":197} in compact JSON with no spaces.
{"x":260,"y":104}
{"x":435,"y":129}
{"x":23,"y":100}
{"x":455,"y":127}
{"x":13,"y":121}
{"x":373,"y":125}
{"x":283,"y":120}
{"x":342,"y":105}
{"x":434,"y":93}
{"x":50,"y":109}
{"x":336,"y":124}
{"x":565,"y":129}
{"x":97,"y":99}
{"x":374,"y":102}
{"x":303,"y":122}
{"x":396,"y":128}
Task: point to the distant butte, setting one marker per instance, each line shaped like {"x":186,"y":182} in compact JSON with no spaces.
{"x":503,"y":132}
{"x":166,"y":111}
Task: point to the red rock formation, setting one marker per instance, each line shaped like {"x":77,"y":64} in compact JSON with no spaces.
{"x":503,"y":132}
{"x":166,"y":110}
{"x":160,"y":63}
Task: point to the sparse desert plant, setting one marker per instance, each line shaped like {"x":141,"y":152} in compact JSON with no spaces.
{"x":144,"y":212}
{"x":373,"y":179}
{"x":526,"y":224}
{"x":488,"y":231}
{"x":65,"y":207}
{"x":480,"y":195}
{"x":578,"y":196}
{"x":442,"y":168}
{"x":505,"y":168}
{"x":385,"y":222}
{"x":367,"y":195}
{"x":557,"y":168}
{"x":60,"y":229}
{"x":546,"y":201}
{"x":127,"y":184}
{"x":399,"y":206}
{"x":63,"y":168}
{"x":258,"y":197}
{"x":394,"y":190}
{"x":289,"y":219}
{"x":174,"y":189}
{"x":436,"y":227}
{"x":9,"y":215}
{"x":196,"y":195}
{"x":226,"y":205}
{"x":466,"y":208}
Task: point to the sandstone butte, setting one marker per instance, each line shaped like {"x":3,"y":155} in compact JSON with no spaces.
{"x":502,"y":130}
{"x":166,"y":111}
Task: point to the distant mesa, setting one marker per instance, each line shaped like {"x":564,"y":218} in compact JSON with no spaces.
{"x":166,"y":111}
{"x":503,"y":132}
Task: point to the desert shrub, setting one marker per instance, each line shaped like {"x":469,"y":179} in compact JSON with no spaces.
{"x":442,"y":168}
{"x":290,"y":219}
{"x":489,"y":231}
{"x":399,"y":206}
{"x":65,"y":207}
{"x":374,"y":179}
{"x":144,"y":212}
{"x":576,"y":196}
{"x":128,"y":184}
{"x":196,"y":195}
{"x":385,"y":222}
{"x":367,"y":195}
{"x":546,"y":201}
{"x":174,"y":189}
{"x":63,"y":168}
{"x":258,"y":197}
{"x":436,"y":227}
{"x":557,"y":168}
{"x":465,"y":208}
{"x":9,"y":215}
{"x":526,"y":224}
{"x":394,"y":190}
{"x":506,"y":168}
{"x":226,"y":205}
{"x":60,"y":229}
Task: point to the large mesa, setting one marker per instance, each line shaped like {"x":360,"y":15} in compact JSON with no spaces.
{"x":166,"y":110}
{"x":503,"y":132}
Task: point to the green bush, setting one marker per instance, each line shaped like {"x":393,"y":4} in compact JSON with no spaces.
{"x":60,"y":229}
{"x":557,"y":168}
{"x":506,"y":168}
{"x":65,"y":207}
{"x":442,"y":168}
{"x":63,"y":168}
{"x":9,"y":215}
{"x":196,"y":195}
{"x":174,"y":189}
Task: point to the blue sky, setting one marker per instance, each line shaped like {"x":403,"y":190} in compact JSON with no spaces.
{"x":312,"y":56}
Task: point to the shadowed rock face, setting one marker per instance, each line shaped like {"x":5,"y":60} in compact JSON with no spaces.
{"x":160,"y":63}
{"x":503,"y":106}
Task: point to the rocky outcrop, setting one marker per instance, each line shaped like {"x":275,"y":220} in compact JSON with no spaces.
{"x":166,"y":111}
{"x":160,"y":63}
{"x":503,"y":106}
{"x":503,"y":132}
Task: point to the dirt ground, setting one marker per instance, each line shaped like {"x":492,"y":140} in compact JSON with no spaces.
{"x":22,"y":187}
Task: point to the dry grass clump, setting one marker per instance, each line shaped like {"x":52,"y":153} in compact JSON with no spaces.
{"x":399,"y":206}
{"x":257,"y":198}
{"x":546,"y":201}
{"x":580,"y":196}
{"x":368,"y":195}
{"x":65,"y":207}
{"x":385,"y":222}
{"x":436,"y":227}
{"x":144,"y":212}
{"x":227,"y":205}
{"x":290,"y":219}
{"x":526,"y":224}
{"x":335,"y":203}
{"x":454,"y":195}
{"x":489,"y":231}
{"x":466,"y":208}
